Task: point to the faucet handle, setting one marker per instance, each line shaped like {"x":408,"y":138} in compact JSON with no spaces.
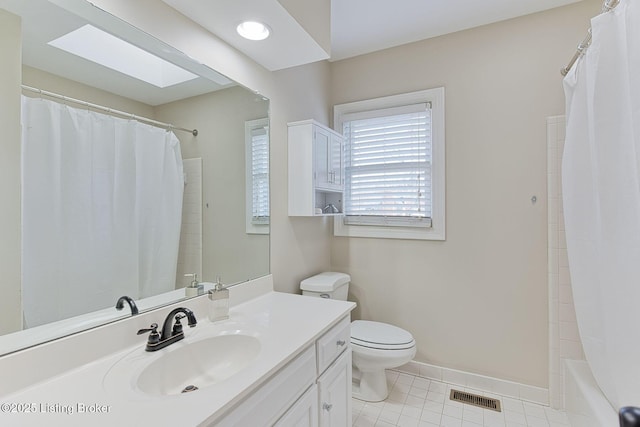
{"x":153,"y":328}
{"x":154,"y":336}
{"x":177,"y":326}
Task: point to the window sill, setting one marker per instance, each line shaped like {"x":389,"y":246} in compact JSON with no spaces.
{"x":257,"y":228}
{"x":382,"y":232}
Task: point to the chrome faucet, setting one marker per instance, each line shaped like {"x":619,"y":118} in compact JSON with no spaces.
{"x":129,"y":300}
{"x":171,"y":332}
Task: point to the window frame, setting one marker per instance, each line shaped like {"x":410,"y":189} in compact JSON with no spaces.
{"x":252,"y":226}
{"x":436,"y":98}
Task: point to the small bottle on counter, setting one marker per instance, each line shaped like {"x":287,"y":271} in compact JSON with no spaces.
{"x":194,"y":288}
{"x":219,"y":306}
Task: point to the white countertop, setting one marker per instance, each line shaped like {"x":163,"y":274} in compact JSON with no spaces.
{"x":97,"y":394}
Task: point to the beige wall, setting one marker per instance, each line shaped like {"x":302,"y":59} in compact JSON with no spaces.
{"x":478,"y":301}
{"x":227,"y":250}
{"x":10,"y":52}
{"x":299,"y":246}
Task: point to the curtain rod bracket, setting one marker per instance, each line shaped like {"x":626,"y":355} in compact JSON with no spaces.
{"x":607,"y":6}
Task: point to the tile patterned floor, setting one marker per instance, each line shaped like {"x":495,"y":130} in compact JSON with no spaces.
{"x":419,"y":402}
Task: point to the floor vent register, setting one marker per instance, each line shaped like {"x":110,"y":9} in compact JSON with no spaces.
{"x":475,"y":400}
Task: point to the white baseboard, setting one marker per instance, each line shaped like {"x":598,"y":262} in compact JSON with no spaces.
{"x":482,"y":383}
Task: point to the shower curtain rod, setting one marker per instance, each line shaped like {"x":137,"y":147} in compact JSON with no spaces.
{"x":194,"y":132}
{"x":608,"y":6}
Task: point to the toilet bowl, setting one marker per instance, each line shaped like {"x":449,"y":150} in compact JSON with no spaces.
{"x":375,"y":346}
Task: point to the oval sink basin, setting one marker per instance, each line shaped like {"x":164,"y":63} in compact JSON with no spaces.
{"x":199,"y":364}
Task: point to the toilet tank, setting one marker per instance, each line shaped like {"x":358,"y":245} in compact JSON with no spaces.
{"x":329,"y":284}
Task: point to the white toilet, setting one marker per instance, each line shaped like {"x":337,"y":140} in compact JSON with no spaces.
{"x":375,"y":346}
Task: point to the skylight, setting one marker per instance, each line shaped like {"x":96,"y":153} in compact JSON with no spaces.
{"x":105,"y":49}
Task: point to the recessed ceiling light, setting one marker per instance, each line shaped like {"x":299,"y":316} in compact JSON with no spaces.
{"x":105,"y":49}
{"x":253,"y":30}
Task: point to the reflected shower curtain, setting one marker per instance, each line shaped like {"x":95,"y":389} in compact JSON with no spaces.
{"x":601,"y":195}
{"x":101,"y":210}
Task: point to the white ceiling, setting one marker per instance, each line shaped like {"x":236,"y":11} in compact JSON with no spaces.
{"x":357,"y":26}
{"x":289,"y":44}
{"x":363,"y":26}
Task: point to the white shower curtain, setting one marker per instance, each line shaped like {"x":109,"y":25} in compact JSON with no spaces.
{"x":101,"y":210}
{"x":601,"y":195}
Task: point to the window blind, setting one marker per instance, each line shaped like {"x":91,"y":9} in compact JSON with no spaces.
{"x":388,"y":166}
{"x":260,"y":175}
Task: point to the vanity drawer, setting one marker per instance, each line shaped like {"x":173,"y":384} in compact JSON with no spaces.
{"x":274,"y":397}
{"x":333,"y":343}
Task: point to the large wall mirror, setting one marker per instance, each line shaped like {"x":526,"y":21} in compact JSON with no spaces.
{"x":223,"y":200}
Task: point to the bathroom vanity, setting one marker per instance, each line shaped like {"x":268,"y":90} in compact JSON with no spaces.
{"x":280,"y":359}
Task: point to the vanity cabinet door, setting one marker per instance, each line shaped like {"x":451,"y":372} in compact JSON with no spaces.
{"x":304,"y":413}
{"x":335,"y":393}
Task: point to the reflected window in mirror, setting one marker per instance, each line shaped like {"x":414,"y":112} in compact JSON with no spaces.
{"x":257,"y":179}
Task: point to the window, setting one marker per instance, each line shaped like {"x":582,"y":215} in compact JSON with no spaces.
{"x":257,"y":176}
{"x":394,"y":166}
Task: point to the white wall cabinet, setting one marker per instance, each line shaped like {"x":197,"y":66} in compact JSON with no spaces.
{"x":312,"y":390}
{"x":316,"y":169}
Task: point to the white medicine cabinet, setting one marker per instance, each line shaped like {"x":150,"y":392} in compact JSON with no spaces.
{"x":316,"y":169}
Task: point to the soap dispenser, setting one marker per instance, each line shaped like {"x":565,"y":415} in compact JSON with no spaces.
{"x":194,"y":288}
{"x":219,"y":302}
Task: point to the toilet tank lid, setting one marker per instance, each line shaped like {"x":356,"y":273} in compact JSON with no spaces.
{"x":325,"y":282}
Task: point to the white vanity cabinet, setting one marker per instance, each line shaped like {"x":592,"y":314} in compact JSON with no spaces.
{"x":334,"y":390}
{"x":316,"y":169}
{"x":333,"y":352}
{"x":312,"y":390}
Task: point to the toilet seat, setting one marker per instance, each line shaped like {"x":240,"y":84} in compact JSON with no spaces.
{"x":380,"y":336}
